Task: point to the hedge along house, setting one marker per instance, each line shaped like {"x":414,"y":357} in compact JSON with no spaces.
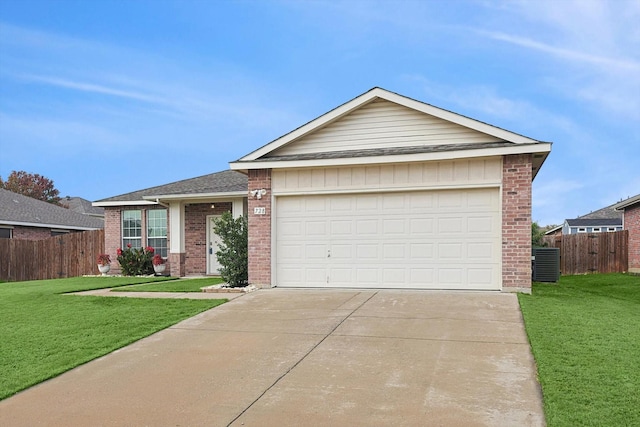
{"x":388,"y":192}
{"x":175,"y":219}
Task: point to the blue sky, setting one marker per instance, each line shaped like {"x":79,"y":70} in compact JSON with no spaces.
{"x":107,"y":97}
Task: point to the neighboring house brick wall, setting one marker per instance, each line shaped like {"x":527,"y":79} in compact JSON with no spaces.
{"x":516,"y":223}
{"x":195,"y":223}
{"x":112,"y":227}
{"x":260,"y":230}
{"x":31,"y":233}
{"x":632,"y":223}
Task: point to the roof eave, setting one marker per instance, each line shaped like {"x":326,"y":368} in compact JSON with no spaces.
{"x":196,"y":196}
{"x":112,"y":203}
{"x":45,"y":225}
{"x":542,"y":148}
{"x":626,"y":203}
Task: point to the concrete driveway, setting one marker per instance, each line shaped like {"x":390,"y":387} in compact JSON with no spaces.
{"x":309,"y":357}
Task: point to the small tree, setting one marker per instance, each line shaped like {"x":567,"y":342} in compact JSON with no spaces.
{"x":232,"y":252}
{"x":537,"y":235}
{"x":31,"y":185}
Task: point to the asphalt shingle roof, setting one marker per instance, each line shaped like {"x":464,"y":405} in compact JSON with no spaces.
{"x":220,"y":182}
{"x":83,"y":206}
{"x":594,"y":222}
{"x":375,"y":152}
{"x":16,"y":208}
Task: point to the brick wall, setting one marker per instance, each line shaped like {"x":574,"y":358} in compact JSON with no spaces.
{"x":31,"y":233}
{"x":632,"y":223}
{"x":516,"y":223}
{"x":195,"y":237}
{"x":260,"y":230}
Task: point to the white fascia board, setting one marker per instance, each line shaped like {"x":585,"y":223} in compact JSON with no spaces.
{"x":400,"y":158}
{"x":41,"y":225}
{"x":626,"y":203}
{"x":123,"y":203}
{"x":369,"y":96}
{"x":196,"y":196}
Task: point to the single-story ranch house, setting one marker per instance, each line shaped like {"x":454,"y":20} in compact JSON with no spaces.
{"x":381,"y":192}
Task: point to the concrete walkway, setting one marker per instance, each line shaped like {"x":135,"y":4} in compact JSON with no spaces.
{"x":109,"y":292}
{"x":309,"y":357}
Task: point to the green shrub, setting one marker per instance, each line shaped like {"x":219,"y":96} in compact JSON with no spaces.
{"x":233,"y":249}
{"x":136,"y":261}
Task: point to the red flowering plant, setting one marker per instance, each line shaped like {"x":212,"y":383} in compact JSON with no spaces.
{"x":135,"y":261}
{"x":104,"y":259}
{"x":157,"y":260}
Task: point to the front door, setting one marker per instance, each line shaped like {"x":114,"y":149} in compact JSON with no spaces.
{"x":212,"y":246}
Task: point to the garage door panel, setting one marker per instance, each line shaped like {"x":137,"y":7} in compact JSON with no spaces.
{"x":431,"y":239}
{"x":422,"y":226}
{"x":393,"y":226}
{"x":451,"y":225}
{"x":315,"y":228}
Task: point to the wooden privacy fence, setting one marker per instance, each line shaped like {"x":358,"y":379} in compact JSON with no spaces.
{"x":593,"y":252}
{"x":69,"y":255}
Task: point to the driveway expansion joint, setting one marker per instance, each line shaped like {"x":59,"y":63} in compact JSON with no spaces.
{"x":301,"y":359}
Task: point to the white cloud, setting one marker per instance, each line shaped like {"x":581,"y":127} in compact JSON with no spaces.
{"x":623,"y":64}
{"x":92,"y":88}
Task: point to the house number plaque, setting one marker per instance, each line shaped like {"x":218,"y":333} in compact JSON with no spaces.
{"x":260,"y":211}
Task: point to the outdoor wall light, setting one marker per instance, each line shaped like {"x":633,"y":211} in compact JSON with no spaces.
{"x":258,"y":193}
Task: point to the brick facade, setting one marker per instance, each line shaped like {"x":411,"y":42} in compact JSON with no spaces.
{"x":516,"y":223}
{"x":260,"y":229}
{"x":30,"y":233}
{"x":632,"y":223}
{"x":193,"y":261}
{"x":195,"y":237}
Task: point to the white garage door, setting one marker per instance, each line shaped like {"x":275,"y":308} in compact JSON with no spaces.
{"x":428,"y":239}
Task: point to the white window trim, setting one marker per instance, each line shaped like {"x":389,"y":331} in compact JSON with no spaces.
{"x":582,"y":229}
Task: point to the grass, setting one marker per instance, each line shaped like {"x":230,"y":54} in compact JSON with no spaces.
{"x":182,"y":285}
{"x":585,"y":336}
{"x":44,"y":333}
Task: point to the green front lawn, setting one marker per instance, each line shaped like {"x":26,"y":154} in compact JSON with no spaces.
{"x":182,"y":285}
{"x":44,"y":333}
{"x":585,"y":336}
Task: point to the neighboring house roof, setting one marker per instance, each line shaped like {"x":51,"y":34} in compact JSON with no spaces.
{"x":553,"y":230}
{"x":626,"y":203}
{"x":590,"y":222}
{"x":604,"y":213}
{"x":414,"y":143}
{"x":16,"y":209}
{"x":83,"y":206}
{"x":211,"y":185}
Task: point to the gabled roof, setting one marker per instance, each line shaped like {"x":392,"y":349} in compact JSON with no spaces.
{"x":16,"y":209}
{"x":508,"y":142}
{"x":83,"y":206}
{"x":602,"y":222}
{"x":225,"y":183}
{"x":626,"y":203}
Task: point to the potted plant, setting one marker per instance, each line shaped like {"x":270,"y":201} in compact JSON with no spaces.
{"x":158,"y":264}
{"x":104,"y":263}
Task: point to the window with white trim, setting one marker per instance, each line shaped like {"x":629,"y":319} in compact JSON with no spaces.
{"x":132,"y":228}
{"x":595,"y":230}
{"x":6,"y":233}
{"x":582,"y":230}
{"x":611,"y":229}
{"x":157,"y":231}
